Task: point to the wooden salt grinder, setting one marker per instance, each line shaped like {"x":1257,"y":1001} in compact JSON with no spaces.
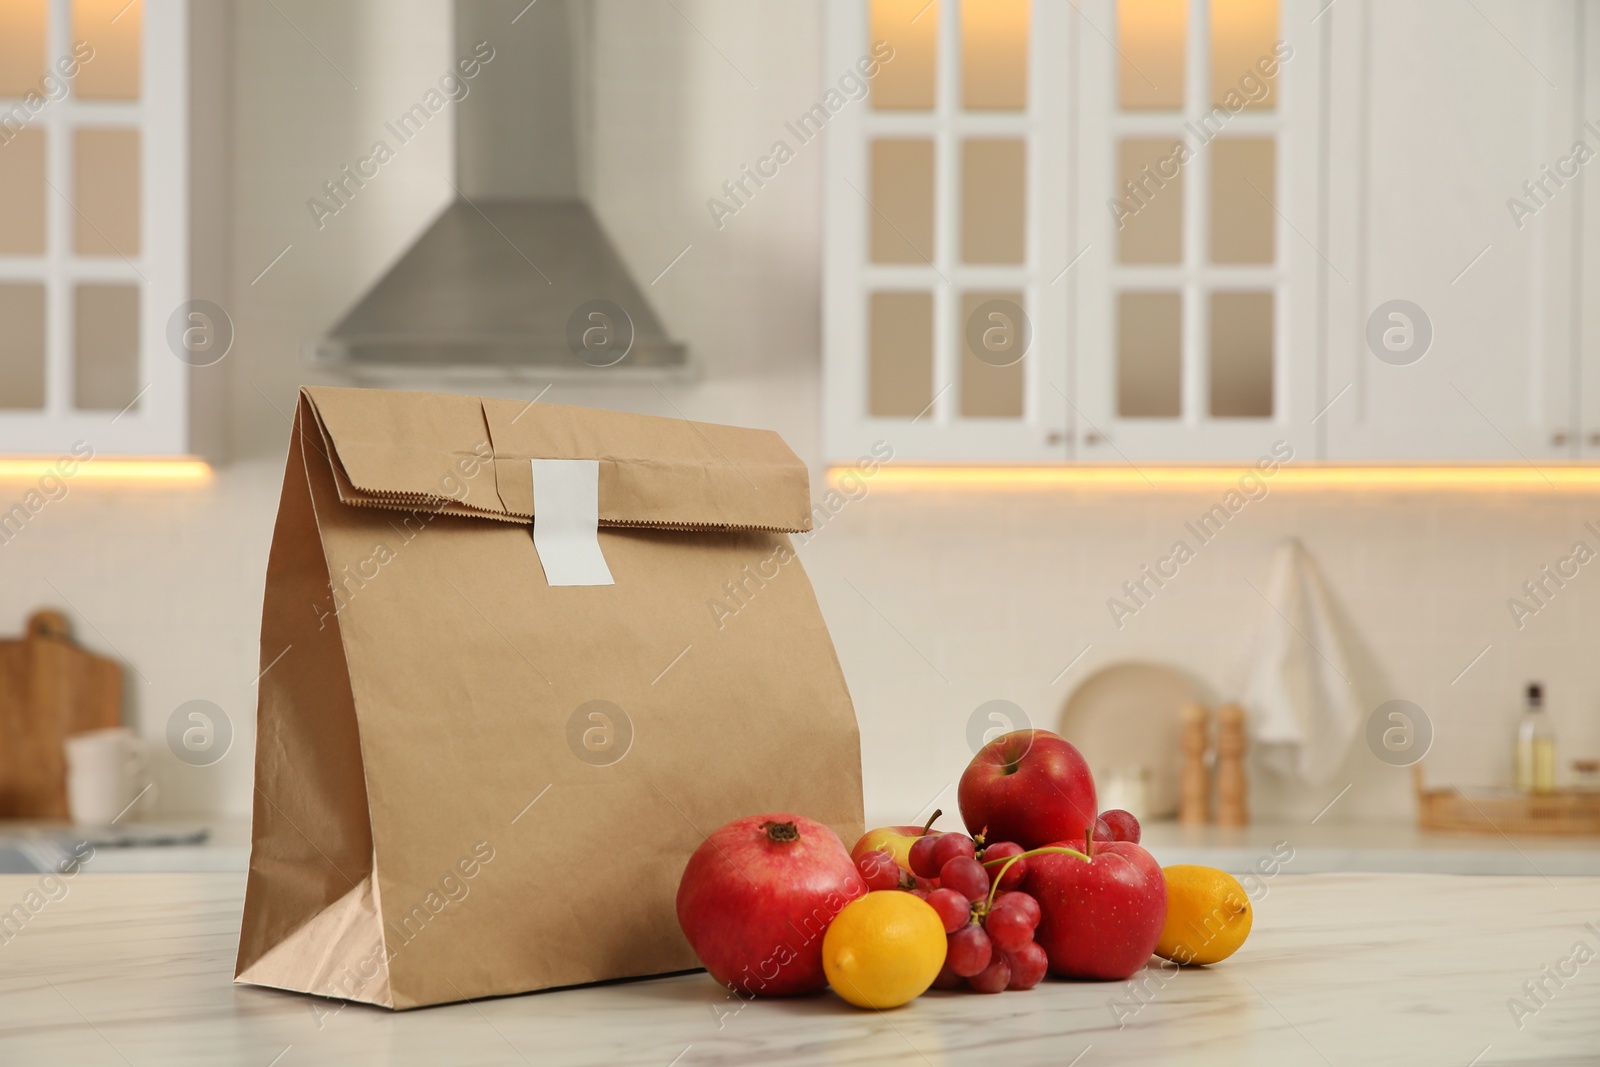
{"x":1194,"y":794}
{"x":1232,"y":800}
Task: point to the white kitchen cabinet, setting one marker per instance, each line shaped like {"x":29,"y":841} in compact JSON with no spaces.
{"x":1449,"y":118}
{"x":947,"y":195}
{"x":1588,"y":358}
{"x":1197,"y":314}
{"x":1379,"y":167}
{"x":111,"y":156}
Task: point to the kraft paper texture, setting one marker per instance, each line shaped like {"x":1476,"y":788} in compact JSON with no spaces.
{"x":472,"y":783}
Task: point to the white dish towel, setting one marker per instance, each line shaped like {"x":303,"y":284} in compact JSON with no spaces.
{"x":1299,"y":693}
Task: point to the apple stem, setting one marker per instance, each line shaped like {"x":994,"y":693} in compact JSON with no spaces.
{"x":1088,"y":842}
{"x":931,"y":820}
{"x":1007,"y":861}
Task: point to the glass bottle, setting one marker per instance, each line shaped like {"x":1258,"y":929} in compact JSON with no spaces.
{"x":1535,"y":763}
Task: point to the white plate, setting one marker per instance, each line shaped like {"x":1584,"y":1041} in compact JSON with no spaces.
{"x":1128,"y":716}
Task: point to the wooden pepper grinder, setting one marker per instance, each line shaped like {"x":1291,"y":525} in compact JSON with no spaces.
{"x":1232,"y":801}
{"x":1194,"y":795}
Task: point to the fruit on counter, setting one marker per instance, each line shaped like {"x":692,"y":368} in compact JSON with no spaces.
{"x":1100,"y":918}
{"x":895,"y":840}
{"x":1009,"y":927}
{"x":970,"y":950}
{"x":758,"y":896}
{"x":879,"y":870}
{"x":883,"y":950}
{"x":774,"y":905}
{"x":947,"y":847}
{"x":993,"y":978}
{"x":947,"y":978}
{"x":966,"y":876}
{"x":928,"y":855}
{"x":920,"y":856}
{"x":1208,"y":915}
{"x":1028,"y":786}
{"x":1116,"y":825}
{"x":1028,"y":966}
{"x":954,"y":909}
{"x":1014,"y":873}
{"x":991,"y":945}
{"x":1022,"y":900}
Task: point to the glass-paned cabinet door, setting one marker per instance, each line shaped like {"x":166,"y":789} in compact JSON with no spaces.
{"x":947,"y":188}
{"x":93,"y":225}
{"x":1197,"y":152}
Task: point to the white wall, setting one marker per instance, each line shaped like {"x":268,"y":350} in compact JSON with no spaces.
{"x":998,"y":589}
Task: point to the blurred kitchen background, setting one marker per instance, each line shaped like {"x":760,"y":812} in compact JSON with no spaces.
{"x":1038,"y":290}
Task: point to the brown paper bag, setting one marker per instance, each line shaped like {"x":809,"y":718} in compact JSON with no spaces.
{"x":472,"y":782}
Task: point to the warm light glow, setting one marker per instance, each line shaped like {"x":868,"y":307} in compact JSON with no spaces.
{"x":1561,"y":478}
{"x":911,"y":28}
{"x":1243,"y":33}
{"x":22,"y":50}
{"x":1152,"y":42}
{"x":32,"y":468}
{"x":994,"y":54}
{"x":115,"y":30}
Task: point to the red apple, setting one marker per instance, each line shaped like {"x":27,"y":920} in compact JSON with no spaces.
{"x":1029,"y":786}
{"x":756,"y":898}
{"x":1099,"y":919}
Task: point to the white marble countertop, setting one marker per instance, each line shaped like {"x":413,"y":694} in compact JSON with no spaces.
{"x":134,"y":969}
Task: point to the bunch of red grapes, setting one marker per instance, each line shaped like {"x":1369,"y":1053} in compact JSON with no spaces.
{"x":990,"y":945}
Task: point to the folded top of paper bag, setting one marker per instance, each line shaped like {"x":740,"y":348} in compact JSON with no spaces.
{"x":471,"y":456}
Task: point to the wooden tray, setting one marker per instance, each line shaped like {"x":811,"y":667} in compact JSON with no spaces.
{"x":1565,"y":812}
{"x":49,"y":688}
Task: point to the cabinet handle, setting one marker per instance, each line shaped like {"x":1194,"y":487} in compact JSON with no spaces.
{"x":1054,"y":437}
{"x":1594,"y":439}
{"x":1558,"y":438}
{"x":1092,"y":438}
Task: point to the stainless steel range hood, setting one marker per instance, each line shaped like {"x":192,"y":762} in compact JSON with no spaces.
{"x":509,"y":279}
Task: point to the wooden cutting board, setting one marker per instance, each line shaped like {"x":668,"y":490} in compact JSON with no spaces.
{"x":49,"y":688}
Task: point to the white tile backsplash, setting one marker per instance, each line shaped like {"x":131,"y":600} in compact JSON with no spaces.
{"x":1000,"y":588}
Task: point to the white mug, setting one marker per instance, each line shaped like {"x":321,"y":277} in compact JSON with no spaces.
{"x":107,"y":771}
{"x":1127,"y":788}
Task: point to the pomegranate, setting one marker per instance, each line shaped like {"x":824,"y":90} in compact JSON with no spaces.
{"x":757,"y":896}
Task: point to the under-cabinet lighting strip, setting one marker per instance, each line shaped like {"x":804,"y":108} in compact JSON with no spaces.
{"x":1548,"y":478}
{"x":184,"y":469}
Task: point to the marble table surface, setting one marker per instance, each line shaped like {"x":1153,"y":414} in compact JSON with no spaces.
{"x":134,"y":969}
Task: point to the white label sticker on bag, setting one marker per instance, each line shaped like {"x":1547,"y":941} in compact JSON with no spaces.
{"x":566,"y":521}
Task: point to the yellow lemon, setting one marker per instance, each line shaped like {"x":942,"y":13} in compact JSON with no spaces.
{"x":1208,"y":915}
{"x":884,"y":949}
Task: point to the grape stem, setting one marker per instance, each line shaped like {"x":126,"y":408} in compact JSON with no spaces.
{"x":1007,"y":861}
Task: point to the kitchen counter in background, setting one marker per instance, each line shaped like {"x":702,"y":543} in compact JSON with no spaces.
{"x":1340,"y":969}
{"x":129,"y":848}
{"x":1316,"y":849}
{"x":1370,"y":847}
